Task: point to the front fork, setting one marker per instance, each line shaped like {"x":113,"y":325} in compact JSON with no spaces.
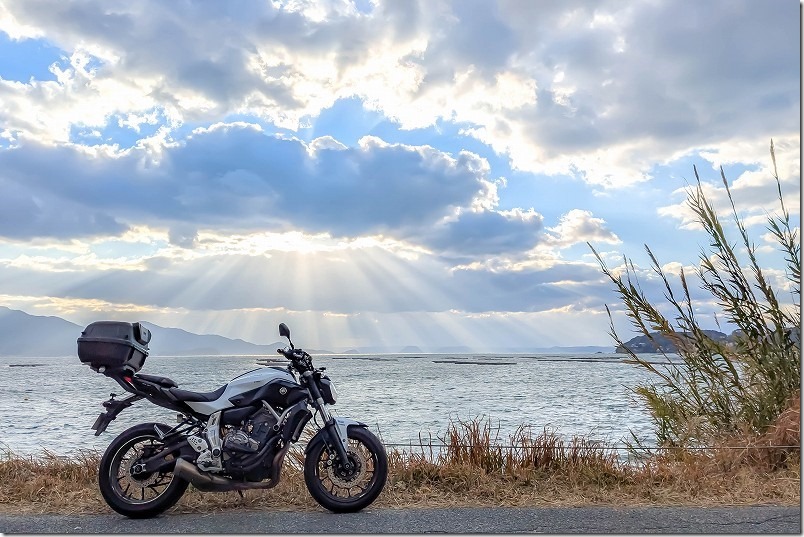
{"x":337,"y":428}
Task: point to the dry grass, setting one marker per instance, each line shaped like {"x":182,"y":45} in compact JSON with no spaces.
{"x":474,"y":470}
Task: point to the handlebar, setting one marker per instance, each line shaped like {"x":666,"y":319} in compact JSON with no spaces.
{"x":290,"y":354}
{"x":298,"y":357}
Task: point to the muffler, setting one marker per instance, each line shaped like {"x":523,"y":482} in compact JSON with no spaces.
{"x":206,"y":482}
{"x":212,"y":483}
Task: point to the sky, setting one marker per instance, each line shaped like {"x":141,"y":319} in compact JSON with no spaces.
{"x":383,"y":173}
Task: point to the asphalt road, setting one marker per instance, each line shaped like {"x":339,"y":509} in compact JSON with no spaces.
{"x":734,"y":520}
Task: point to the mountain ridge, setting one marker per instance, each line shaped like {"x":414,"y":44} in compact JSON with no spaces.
{"x":23,"y":334}
{"x":658,"y":343}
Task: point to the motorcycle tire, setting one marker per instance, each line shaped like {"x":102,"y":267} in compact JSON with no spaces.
{"x":126,"y":491}
{"x":341,"y":491}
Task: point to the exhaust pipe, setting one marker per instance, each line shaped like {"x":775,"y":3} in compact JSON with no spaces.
{"x":201,"y":480}
{"x":212,"y":483}
{"x":206,"y":482}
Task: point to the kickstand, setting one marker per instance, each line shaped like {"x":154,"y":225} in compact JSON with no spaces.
{"x":241,"y":494}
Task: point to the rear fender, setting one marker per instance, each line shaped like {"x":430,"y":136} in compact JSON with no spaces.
{"x":113,"y":408}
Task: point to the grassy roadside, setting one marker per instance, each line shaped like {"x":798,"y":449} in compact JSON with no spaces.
{"x":536,"y":470}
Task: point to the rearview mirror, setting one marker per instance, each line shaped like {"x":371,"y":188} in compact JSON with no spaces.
{"x":284,"y":331}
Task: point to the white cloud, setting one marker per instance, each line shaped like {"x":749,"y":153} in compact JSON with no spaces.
{"x":754,"y":191}
{"x":578,"y":226}
{"x":233,"y":176}
{"x":14,"y":28}
{"x":546,"y":85}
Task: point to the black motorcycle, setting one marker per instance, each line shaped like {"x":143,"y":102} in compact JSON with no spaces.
{"x":232,"y":438}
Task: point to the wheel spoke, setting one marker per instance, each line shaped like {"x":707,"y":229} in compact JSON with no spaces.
{"x":151,"y":485}
{"x":163,"y":480}
{"x":347,"y":488}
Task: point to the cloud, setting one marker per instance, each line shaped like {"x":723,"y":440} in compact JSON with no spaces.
{"x":199,"y":64}
{"x":544,"y":84}
{"x":236,"y":177}
{"x":33,"y":210}
{"x":578,"y":226}
{"x":183,"y":236}
{"x":754,"y":191}
{"x":485,"y":232}
{"x":534,"y":289}
{"x":646,"y":78}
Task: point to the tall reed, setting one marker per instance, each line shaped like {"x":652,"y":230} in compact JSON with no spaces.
{"x":723,"y":389}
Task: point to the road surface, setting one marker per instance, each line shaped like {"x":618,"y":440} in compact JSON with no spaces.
{"x":734,"y":520}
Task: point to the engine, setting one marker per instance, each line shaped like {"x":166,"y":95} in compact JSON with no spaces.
{"x":251,"y":436}
{"x":245,"y":453}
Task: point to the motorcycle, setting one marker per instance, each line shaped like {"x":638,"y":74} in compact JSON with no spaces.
{"x":232,"y":438}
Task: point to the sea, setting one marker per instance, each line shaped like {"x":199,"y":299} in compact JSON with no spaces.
{"x":49,"y":404}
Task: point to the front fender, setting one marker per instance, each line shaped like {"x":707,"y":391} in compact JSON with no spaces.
{"x":341,"y":426}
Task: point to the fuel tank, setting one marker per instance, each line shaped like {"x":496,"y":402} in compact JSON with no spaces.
{"x":274,"y":384}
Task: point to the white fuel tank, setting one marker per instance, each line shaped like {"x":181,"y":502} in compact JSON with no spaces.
{"x":244,"y":383}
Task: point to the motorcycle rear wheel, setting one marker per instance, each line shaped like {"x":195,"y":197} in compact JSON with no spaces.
{"x":134,"y":495}
{"x":343,"y":491}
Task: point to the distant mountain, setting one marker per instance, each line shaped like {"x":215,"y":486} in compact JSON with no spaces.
{"x":660,"y":343}
{"x":178,"y":342}
{"x":22,"y":334}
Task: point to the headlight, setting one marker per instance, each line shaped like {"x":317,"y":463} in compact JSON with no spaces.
{"x":328,"y":391}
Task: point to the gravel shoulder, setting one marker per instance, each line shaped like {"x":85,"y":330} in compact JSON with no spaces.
{"x":625,"y":520}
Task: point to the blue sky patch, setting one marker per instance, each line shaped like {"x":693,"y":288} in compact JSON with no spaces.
{"x":114,"y":133}
{"x":28,"y":59}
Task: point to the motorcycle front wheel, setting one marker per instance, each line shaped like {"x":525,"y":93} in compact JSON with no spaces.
{"x":131,"y":493}
{"x":343,"y":491}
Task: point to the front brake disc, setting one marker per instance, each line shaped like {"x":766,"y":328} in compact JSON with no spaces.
{"x":355,"y":476}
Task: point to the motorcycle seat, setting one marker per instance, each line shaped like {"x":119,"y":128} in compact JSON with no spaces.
{"x":162,"y":381}
{"x":186,"y":395}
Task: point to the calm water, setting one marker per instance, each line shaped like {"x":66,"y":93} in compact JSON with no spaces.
{"x":53,"y":404}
